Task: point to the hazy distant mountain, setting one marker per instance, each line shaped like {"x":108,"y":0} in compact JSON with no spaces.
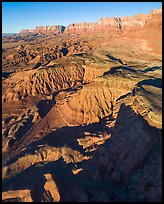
{"x":7,"y":34}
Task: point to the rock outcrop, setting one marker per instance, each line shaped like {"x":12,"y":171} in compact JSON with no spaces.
{"x":27,"y":31}
{"x":105,"y":24}
{"x":114,"y":24}
{"x":45,"y":29}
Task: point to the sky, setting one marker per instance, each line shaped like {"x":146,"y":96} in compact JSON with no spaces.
{"x":28,"y":15}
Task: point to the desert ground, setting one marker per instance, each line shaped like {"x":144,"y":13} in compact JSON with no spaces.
{"x":82,"y":115}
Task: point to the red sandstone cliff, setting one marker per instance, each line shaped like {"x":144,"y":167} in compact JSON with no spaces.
{"x":104,"y":24}
{"x":117,"y":24}
{"x":45,"y":29}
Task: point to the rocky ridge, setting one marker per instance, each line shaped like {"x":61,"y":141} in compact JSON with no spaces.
{"x":45,"y":29}
{"x":111,"y":24}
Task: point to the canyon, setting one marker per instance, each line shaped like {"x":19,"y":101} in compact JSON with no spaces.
{"x":82,"y":112}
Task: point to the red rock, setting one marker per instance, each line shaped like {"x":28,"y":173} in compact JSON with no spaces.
{"x":114,"y":24}
{"x":45,"y":29}
{"x":104,"y":24}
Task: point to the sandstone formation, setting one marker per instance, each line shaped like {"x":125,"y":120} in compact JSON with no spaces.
{"x":111,"y":24}
{"x":114,"y":24}
{"x":82,"y":114}
{"x":45,"y":29}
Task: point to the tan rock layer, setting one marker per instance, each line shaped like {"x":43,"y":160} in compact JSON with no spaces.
{"x":104,"y":24}
{"x":45,"y":29}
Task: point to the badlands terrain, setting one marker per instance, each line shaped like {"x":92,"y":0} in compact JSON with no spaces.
{"x":82,"y":112}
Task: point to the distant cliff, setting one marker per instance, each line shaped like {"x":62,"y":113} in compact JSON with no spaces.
{"x":45,"y":29}
{"x":105,"y":24}
{"x":117,"y":24}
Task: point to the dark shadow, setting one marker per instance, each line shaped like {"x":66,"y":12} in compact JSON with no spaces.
{"x":37,"y":190}
{"x":23,"y":129}
{"x":61,"y":172}
{"x":37,"y":65}
{"x":18,"y":137}
{"x":151,"y":69}
{"x":118,"y":69}
{"x":125,"y":123}
{"x":74,"y":88}
{"x":123,"y":96}
{"x":114,"y":59}
{"x":6,"y":74}
{"x":8,"y":119}
{"x":32,"y":178}
{"x":152,"y":82}
{"x":64,"y":50}
{"x":82,"y":54}
{"x":67,"y":136}
{"x":12,"y":200}
{"x":62,"y":28}
{"x":44,"y":107}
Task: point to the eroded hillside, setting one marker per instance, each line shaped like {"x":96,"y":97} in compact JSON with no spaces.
{"x":82,"y":117}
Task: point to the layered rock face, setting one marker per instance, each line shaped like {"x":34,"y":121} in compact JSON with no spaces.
{"x":45,"y":29}
{"x":105,"y":24}
{"x":114,"y":24}
{"x":27,"y":31}
{"x":50,"y":29}
{"x":81,"y":27}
